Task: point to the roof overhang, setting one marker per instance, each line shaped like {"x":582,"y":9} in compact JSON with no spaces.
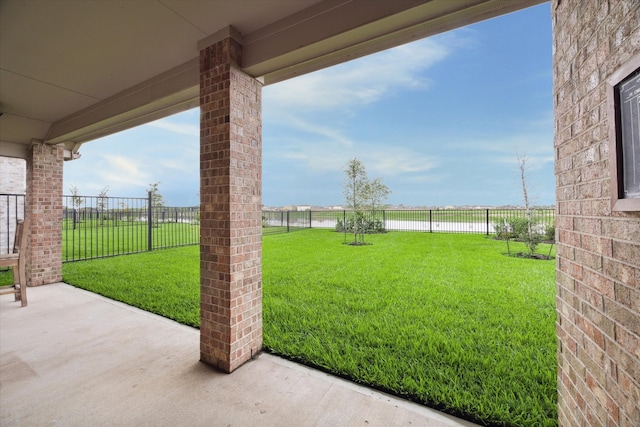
{"x":72,"y":72}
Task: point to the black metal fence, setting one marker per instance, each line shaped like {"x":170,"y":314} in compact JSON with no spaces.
{"x":470,"y":221}
{"x":11,"y":209}
{"x":274,"y":222}
{"x":98,"y":227}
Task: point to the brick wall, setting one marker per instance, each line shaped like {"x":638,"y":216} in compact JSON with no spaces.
{"x":44,"y":210}
{"x":12,"y":175}
{"x":598,"y":271}
{"x":12,"y":181}
{"x":231,"y":209}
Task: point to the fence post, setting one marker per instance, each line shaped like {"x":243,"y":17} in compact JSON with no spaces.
{"x":384,"y":220}
{"x":487,"y":222}
{"x":310,"y":218}
{"x":287,"y":221}
{"x":430,"y":222}
{"x":149,"y":224}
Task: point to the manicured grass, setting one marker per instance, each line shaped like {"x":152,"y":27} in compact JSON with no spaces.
{"x":6,"y":277}
{"x":166,"y":282}
{"x":445,"y":320}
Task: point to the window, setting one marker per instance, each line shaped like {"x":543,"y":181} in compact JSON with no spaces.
{"x":623,"y":99}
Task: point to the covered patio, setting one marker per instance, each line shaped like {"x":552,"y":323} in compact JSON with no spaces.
{"x":71,"y":72}
{"x":76,"y":358}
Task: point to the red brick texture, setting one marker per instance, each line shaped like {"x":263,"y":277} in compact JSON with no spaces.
{"x":231,"y":209}
{"x":598,"y":269}
{"x":44,"y":209}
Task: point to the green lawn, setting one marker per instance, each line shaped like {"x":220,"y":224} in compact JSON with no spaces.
{"x":6,"y":277}
{"x":443,"y":319}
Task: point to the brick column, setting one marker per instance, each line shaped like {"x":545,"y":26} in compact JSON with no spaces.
{"x":44,"y":210}
{"x":231,"y":208}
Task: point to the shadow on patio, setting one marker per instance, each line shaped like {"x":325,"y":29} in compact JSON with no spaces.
{"x":75,"y":358}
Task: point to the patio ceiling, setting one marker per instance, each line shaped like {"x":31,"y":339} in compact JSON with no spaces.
{"x":72,"y":71}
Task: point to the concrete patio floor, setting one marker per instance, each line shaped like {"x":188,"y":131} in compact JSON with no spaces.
{"x":74,"y":358}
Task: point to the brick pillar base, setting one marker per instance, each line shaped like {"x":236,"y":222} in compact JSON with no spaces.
{"x":231,"y":209}
{"x":44,"y":211}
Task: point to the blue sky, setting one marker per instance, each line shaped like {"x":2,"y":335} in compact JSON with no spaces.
{"x":441,"y":120}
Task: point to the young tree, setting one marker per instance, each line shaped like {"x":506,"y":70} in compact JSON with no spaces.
{"x":157,"y":201}
{"x":124,"y":209}
{"x":355,"y":193}
{"x":76,"y":198}
{"x":76,"y":202}
{"x":156,"y":198}
{"x":531,"y":236}
{"x":103,"y":202}
{"x":377,"y":192}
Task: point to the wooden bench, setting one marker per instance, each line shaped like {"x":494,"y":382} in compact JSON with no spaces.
{"x":16,"y":260}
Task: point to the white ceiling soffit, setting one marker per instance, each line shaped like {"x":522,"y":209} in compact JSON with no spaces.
{"x":75,"y":71}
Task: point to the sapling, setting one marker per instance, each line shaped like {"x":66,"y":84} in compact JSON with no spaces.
{"x":530,"y":236}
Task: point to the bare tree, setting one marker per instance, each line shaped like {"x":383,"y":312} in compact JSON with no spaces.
{"x":531,"y":237}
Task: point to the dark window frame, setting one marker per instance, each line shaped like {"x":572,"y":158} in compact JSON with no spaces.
{"x":618,"y":201}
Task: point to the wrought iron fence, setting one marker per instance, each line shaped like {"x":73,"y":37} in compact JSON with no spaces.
{"x":11,"y":209}
{"x":473,"y":221}
{"x":98,"y":227}
{"x":274,"y":222}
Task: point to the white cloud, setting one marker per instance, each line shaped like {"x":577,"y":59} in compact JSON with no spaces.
{"x":422,"y":179}
{"x":390,"y":161}
{"x":122,"y":170}
{"x":362,"y":81}
{"x":535,"y":141}
{"x":179,"y":165}
{"x":380,"y":160}
{"x":325,"y":155}
{"x":181,"y":128}
{"x":315,"y":110}
{"x":329,"y":132}
{"x":191,"y":128}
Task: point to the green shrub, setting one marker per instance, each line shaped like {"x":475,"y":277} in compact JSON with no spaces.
{"x":367,"y":225}
{"x":550,"y":233}
{"x":511,"y":228}
{"x":525,"y":230}
{"x":519,"y":227}
{"x":502,"y":228}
